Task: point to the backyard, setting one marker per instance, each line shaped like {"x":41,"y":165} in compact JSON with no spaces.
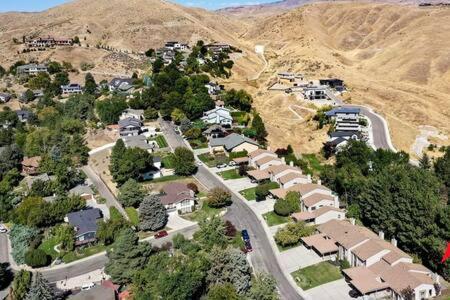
{"x":160,"y":140}
{"x":273,"y":219}
{"x":213,"y":160}
{"x":316,"y":275}
{"x":249,"y":194}
{"x":230,"y":174}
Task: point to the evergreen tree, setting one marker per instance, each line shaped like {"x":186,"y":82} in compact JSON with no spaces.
{"x":127,"y":257}
{"x":131,"y":193}
{"x":90,"y":86}
{"x":152,"y":213}
{"x":184,"y":161}
{"x":263,"y":288}
{"x":40,"y":289}
{"x":21,"y":284}
{"x":260,"y":129}
{"x":424,"y":162}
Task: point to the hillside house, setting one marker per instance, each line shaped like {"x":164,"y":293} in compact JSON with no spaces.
{"x":82,"y":190}
{"x":319,"y":216}
{"x":71,"y":89}
{"x":232,"y":143}
{"x":345,"y":114}
{"x":139,"y":141}
{"x":121,"y":85}
{"x":31,"y":69}
{"x":85,"y":225}
{"x":29,"y":180}
{"x":290,"y":77}
{"x":5,"y":97}
{"x":333,"y":83}
{"x":178,"y":197}
{"x":215,"y":131}
{"x":315,"y":92}
{"x":213,"y":88}
{"x":46,"y":42}
{"x":218,"y":47}
{"x":130,"y":127}
{"x":132,"y":113}
{"x":175,"y":45}
{"x":219,"y":116}
{"x":23,"y":115}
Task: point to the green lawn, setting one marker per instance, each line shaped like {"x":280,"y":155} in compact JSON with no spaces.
{"x":316,"y":275}
{"x":198,"y":144}
{"x":133,"y":215}
{"x":230,"y":174}
{"x":314,"y":163}
{"x":213,"y":160}
{"x":161,"y":141}
{"x":249,"y":194}
{"x":114,"y":213}
{"x":167,"y":162}
{"x":48,"y":245}
{"x":83,"y":252}
{"x":240,"y":117}
{"x":204,"y":211}
{"x":273,"y":219}
{"x":165,"y":178}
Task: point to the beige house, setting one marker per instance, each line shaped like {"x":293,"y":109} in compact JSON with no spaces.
{"x":319,"y":216}
{"x":232,"y":143}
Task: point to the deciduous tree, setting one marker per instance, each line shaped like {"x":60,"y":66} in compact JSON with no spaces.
{"x":218,"y":197}
{"x":131,"y":193}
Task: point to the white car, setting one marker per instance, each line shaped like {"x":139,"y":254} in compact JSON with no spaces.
{"x":232,"y":163}
{"x":222,"y":166}
{"x":3,"y":229}
{"x":87,"y":286}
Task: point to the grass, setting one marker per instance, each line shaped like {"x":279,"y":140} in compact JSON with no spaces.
{"x":314,"y":163}
{"x":273,"y":219}
{"x":161,"y":141}
{"x":316,"y":275}
{"x":240,"y":117}
{"x":83,"y":252}
{"x":133,"y":215}
{"x":198,"y":144}
{"x":230,"y":174}
{"x":204,"y":211}
{"x":48,"y":245}
{"x":249,"y":193}
{"x":167,"y":162}
{"x":114,"y":213}
{"x":212,"y":160}
{"x":237,"y":241}
{"x":165,"y":178}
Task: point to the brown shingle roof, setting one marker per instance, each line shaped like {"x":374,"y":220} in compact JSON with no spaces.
{"x":367,"y":250}
{"x":403,"y":275}
{"x":304,"y":215}
{"x":364,"y":280}
{"x":320,"y":243}
{"x":290,"y":176}
{"x":258,"y":174}
{"x":175,"y":192}
{"x":266,"y":159}
{"x":260,"y":151}
{"x":316,"y":198}
{"x":274,"y":170}
{"x":345,"y":233}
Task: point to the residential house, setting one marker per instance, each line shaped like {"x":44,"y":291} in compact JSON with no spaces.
{"x":175,"y":45}
{"x":232,"y":143}
{"x":29,"y":180}
{"x":290,"y":77}
{"x":82,"y":190}
{"x":378,"y":268}
{"x":45,"y":42}
{"x":121,"y":84}
{"x":23,"y":115}
{"x":130,"y":127}
{"x":85,"y":224}
{"x":98,"y":292}
{"x":139,"y":141}
{"x":293,"y":178}
{"x":218,"y":47}
{"x":258,"y":154}
{"x":213,"y":88}
{"x":5,"y":97}
{"x":317,"y":200}
{"x":132,"y":113}
{"x":319,"y":216}
{"x":268,"y":161}
{"x":333,"y":83}
{"x":338,"y":139}
{"x":345,"y":114}
{"x":71,"y":89}
{"x":31,"y":69}
{"x":272,"y":173}
{"x":315,"y":92}
{"x":155,"y":171}
{"x":215,"y":131}
{"x":219,"y":116}
{"x":177,"y":196}
{"x":305,"y":190}
{"x":30,"y":165}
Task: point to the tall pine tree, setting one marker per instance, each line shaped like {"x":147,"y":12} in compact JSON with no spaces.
{"x":152,"y":214}
{"x":40,"y":289}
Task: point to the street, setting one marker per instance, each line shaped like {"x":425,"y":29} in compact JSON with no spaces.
{"x":263,"y":257}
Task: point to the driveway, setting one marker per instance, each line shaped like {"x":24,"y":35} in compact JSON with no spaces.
{"x":176,"y":222}
{"x":262,"y":207}
{"x":240,"y":184}
{"x":297,"y":258}
{"x":338,"y":289}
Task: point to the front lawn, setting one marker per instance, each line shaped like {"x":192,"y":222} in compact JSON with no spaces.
{"x":204,"y":212}
{"x":198,"y":144}
{"x":48,"y":246}
{"x":167,"y":162}
{"x":230,"y":174}
{"x":114,"y":213}
{"x":213,"y":160}
{"x":80,"y":253}
{"x":249,"y":194}
{"x":132,"y":215}
{"x":164,"y":179}
{"x":161,"y":141}
{"x":273,"y":219}
{"x":316,"y":275}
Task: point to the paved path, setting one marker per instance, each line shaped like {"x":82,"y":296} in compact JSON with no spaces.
{"x":242,"y":216}
{"x":111,"y":200}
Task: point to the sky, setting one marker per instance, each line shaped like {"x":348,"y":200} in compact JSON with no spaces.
{"x":39,"y":5}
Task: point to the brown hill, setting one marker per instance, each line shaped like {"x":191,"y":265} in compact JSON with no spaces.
{"x":394,"y":58}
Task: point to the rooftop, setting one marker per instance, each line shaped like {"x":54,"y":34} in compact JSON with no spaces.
{"x":231,"y":141}
{"x":84,"y":220}
{"x":175,"y":192}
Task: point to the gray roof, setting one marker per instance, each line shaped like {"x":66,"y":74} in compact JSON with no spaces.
{"x":44,"y":177}
{"x":343,"y":110}
{"x":345,"y":134}
{"x":84,"y":220}
{"x":23,"y":113}
{"x":98,"y":292}
{"x":214,"y":128}
{"x":231,"y":141}
{"x":81,"y":189}
{"x":5,"y":95}
{"x":137,"y":141}
{"x":130,"y":122}
{"x":121,"y":82}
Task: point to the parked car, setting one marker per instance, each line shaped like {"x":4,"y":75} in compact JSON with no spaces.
{"x":220,"y":166}
{"x":3,"y":229}
{"x":245,"y":235}
{"x":161,"y":234}
{"x":248,"y":246}
{"x":87,"y":286}
{"x":232,"y":163}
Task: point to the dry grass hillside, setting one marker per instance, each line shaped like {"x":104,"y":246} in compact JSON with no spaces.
{"x":393,"y":58}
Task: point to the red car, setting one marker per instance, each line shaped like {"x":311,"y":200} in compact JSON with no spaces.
{"x":161,"y":234}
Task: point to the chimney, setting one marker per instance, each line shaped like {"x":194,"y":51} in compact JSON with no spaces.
{"x":283,"y":160}
{"x":291,"y":163}
{"x":381,"y":234}
{"x":352,"y":221}
{"x":394,"y":242}
{"x":319,"y":182}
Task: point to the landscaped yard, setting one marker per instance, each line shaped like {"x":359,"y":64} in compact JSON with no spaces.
{"x":114,"y":213}
{"x":212,"y":160}
{"x":230,"y":174}
{"x":198,"y":144}
{"x":48,"y":245}
{"x":164,"y":179}
{"x":240,"y":117}
{"x":82,"y":253}
{"x":249,"y":194}
{"x":161,"y":141}
{"x":167,"y":161}
{"x":316,"y":275}
{"x":204,"y":211}
{"x":273,"y":219}
{"x":133,"y":215}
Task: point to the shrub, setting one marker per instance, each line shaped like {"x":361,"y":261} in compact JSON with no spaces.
{"x":344,"y":264}
{"x":282,"y":208}
{"x":292,"y":233}
{"x":293,"y":199}
{"x":36,"y":258}
{"x":262,"y":191}
{"x":218,"y":197}
{"x":230,"y":229}
{"x":193,"y":187}
{"x":151,"y":114}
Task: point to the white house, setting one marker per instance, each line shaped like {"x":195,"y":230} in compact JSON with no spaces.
{"x":315,"y":92}
{"x":71,"y":89}
{"x":178,"y":197}
{"x":219,"y":116}
{"x":31,"y":69}
{"x":132,"y":113}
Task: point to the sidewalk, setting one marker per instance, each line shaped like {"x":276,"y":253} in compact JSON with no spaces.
{"x":96,"y":277}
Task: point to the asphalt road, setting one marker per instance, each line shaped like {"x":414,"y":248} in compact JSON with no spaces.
{"x":3,"y":248}
{"x":262,"y":257}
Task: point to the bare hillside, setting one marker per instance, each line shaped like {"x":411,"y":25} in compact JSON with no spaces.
{"x":394,"y":58}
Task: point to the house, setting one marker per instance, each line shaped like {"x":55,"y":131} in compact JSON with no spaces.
{"x":213,"y":88}
{"x":174,"y":45}
{"x":98,"y":292}
{"x":290,"y":77}
{"x":268,"y":161}
{"x":139,"y":141}
{"x":30,"y":165}
{"x":178,"y":197}
{"x":121,"y":84}
{"x":232,"y":143}
{"x":85,"y":224}
{"x":258,"y":154}
{"x":333,"y":83}
{"x":5,"y":97}
{"x":293,"y":178}
{"x":71,"y":89}
{"x":378,"y":267}
{"x":315,"y":92}
{"x":130,"y":127}
{"x":45,"y":42}
{"x":29,"y":180}
{"x":155,"y":171}
{"x":132,"y":113}
{"x":82,"y":190}
{"x":218,"y":47}
{"x":305,"y":190}
{"x":319,"y":216}
{"x":218,"y":115}
{"x":344,"y":114}
{"x":315,"y":201}
{"x":215,"y":131}
{"x":339,"y":139}
{"x":31,"y":69}
{"x":23,"y":115}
